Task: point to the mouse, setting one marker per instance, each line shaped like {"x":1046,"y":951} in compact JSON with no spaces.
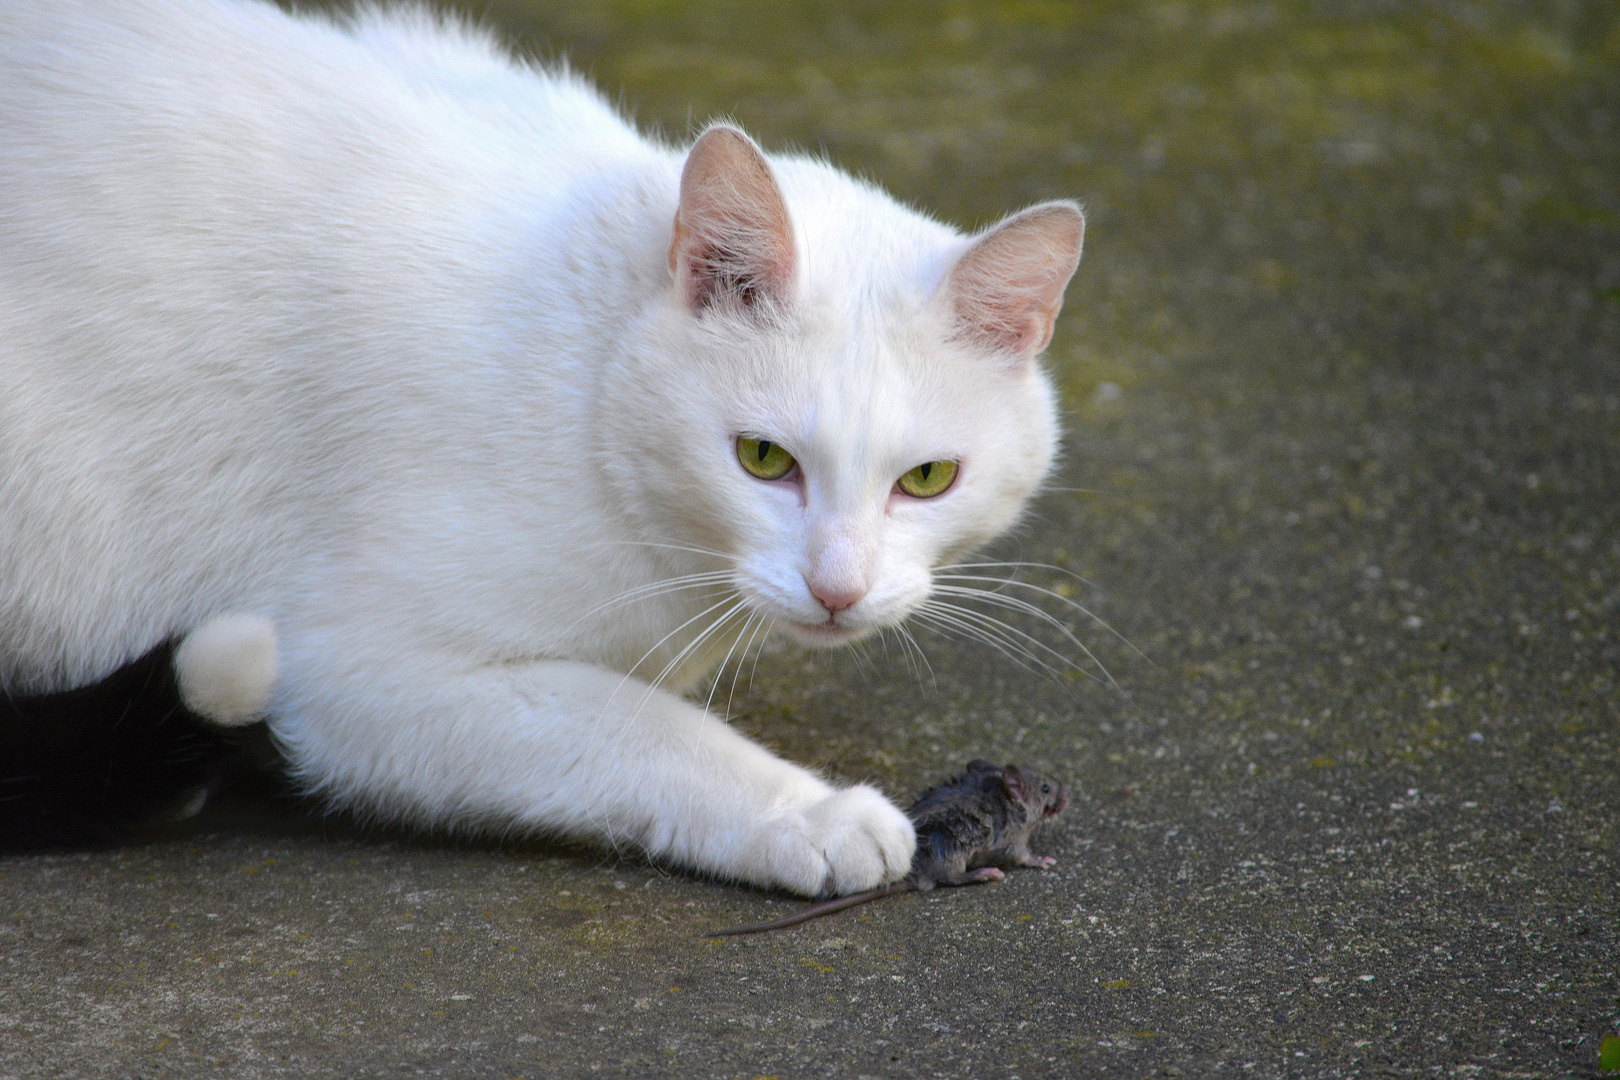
{"x":968,"y":828}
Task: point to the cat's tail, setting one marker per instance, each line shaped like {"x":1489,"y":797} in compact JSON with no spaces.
{"x":227,"y":668}
{"x":148,"y":743}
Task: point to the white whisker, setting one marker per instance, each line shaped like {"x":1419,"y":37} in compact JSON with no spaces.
{"x":630,"y":672}
{"x":672,"y":547}
{"x":945,"y":621}
{"x":905,"y":635}
{"x":675,"y":661}
{"x":721,"y":670}
{"x":736,"y":672}
{"x":1010,"y":631}
{"x":1017,"y":565}
{"x":759,"y":653}
{"x":1013,"y":603}
{"x":1059,"y":597}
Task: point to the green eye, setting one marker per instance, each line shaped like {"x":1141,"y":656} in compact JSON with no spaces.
{"x":764,"y":459}
{"x":929,"y":479}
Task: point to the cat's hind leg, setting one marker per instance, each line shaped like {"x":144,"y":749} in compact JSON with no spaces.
{"x":570,"y":748}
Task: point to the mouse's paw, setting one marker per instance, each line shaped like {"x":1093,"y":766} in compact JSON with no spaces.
{"x":1039,"y":862}
{"x":846,"y":842}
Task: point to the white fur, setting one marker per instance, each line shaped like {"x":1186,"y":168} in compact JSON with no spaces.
{"x":374,"y":332}
{"x":227,"y":668}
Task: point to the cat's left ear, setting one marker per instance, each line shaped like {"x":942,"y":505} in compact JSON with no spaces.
{"x":733,"y":240}
{"x":1005,"y":292}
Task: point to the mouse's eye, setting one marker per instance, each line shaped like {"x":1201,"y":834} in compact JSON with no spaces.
{"x":1046,"y":789}
{"x":763,"y":458}
{"x":928,"y":479}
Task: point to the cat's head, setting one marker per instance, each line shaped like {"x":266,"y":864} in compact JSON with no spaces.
{"x":840,"y":393}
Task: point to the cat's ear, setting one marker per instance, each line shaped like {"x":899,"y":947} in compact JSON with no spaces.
{"x":733,"y":241}
{"x":1005,"y":291}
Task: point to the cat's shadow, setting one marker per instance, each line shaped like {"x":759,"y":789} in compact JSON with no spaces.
{"x":261,"y":804}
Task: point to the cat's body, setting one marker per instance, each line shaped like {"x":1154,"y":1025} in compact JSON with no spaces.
{"x":400,"y":345}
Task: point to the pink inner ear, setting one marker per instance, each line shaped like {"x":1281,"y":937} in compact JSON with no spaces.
{"x":1007,"y":290}
{"x":733,"y":240}
{"x":1013,"y":781}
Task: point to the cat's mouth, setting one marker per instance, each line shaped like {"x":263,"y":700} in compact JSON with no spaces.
{"x":831,"y":632}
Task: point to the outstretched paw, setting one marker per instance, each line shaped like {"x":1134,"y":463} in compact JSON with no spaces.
{"x":849,"y":841}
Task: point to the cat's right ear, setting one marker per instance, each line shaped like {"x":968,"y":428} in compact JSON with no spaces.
{"x":733,"y":240}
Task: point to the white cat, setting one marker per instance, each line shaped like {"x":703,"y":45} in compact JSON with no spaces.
{"x":513,"y":421}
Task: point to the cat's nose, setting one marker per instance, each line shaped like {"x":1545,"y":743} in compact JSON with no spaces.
{"x":837,"y":574}
{"x":835,"y":599}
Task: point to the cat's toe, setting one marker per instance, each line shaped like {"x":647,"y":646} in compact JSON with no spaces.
{"x":783,"y":856}
{"x":846,"y":842}
{"x":864,"y":838}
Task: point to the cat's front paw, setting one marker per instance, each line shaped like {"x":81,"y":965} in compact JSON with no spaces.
{"x":849,"y":841}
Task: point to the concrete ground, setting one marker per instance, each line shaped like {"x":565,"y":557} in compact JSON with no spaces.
{"x":1343,"y":369}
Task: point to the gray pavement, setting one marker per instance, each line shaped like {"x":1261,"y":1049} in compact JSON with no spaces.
{"x":1343,"y":366}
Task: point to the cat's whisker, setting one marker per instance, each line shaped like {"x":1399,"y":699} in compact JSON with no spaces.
{"x":1059,"y":597}
{"x":905,"y":635}
{"x":675,"y":661}
{"x":1034,"y":643}
{"x":953,"y":627}
{"x":1005,"y":637}
{"x":972,"y":625}
{"x":862,"y":657}
{"x":736,"y":672}
{"x":1013,"y":603}
{"x":720,"y":671}
{"x":1019,"y":565}
{"x":631,"y":671}
{"x":736,"y":604}
{"x":673,"y":547}
{"x":697,"y":744}
{"x":629,"y":674}
{"x":659,"y":588}
{"x":652,"y":687}
{"x":759,"y":653}
{"x":883,"y":639}
{"x":731,"y":599}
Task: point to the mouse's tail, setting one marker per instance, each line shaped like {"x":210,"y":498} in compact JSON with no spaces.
{"x":148,"y":742}
{"x":816,"y":911}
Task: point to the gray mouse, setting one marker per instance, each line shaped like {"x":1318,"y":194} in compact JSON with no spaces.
{"x":967,"y":827}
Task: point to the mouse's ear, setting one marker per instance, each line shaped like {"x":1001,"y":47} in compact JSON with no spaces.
{"x":1013,"y":781}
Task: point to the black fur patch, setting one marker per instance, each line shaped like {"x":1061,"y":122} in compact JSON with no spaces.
{"x":80,"y":768}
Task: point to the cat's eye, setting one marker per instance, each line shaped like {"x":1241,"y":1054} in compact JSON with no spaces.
{"x":929,"y":479}
{"x":763,"y":458}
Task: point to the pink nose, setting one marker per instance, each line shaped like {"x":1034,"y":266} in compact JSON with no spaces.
{"x":835,"y":599}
